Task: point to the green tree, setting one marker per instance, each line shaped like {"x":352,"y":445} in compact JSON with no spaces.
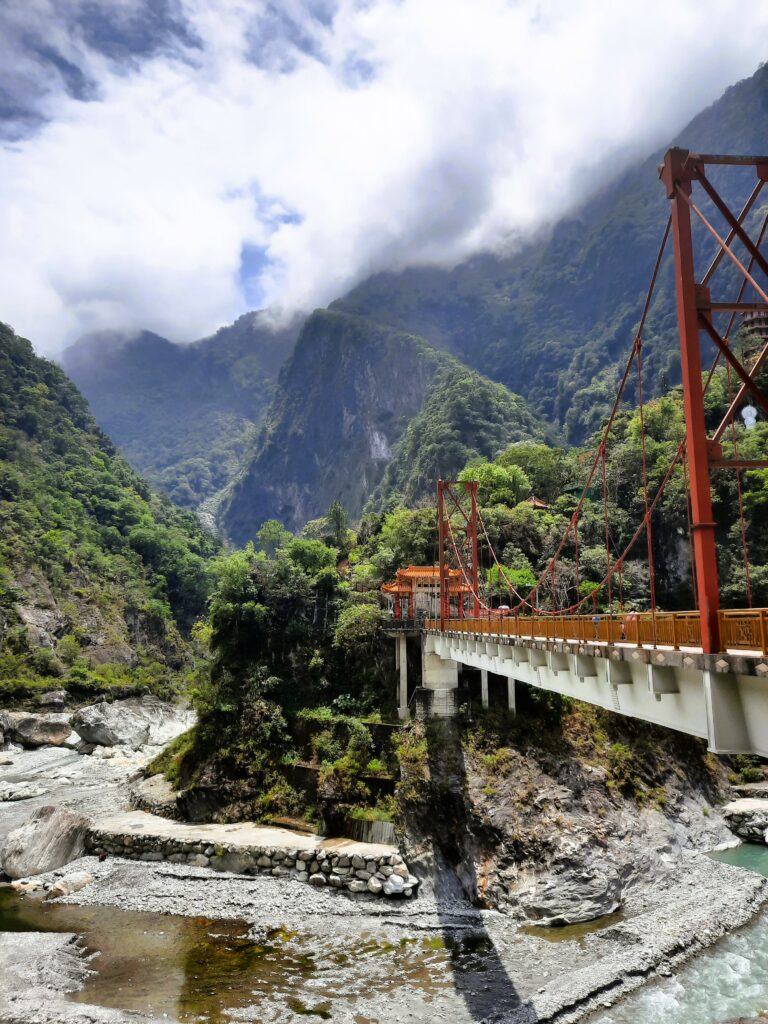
{"x":272,"y":536}
{"x":497,"y":485}
{"x":337,"y":521}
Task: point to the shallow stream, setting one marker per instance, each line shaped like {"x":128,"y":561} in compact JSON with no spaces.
{"x":188,"y":969}
{"x":729,"y":981}
{"x":192,"y":969}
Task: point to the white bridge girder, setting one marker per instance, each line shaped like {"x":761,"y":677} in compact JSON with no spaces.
{"x":728,"y":709}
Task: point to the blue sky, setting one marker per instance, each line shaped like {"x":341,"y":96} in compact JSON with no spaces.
{"x":169,"y":164}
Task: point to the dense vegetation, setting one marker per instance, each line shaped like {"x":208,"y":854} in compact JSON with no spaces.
{"x":464,"y":416}
{"x":297,"y":678}
{"x":524,"y":536}
{"x":100,"y":579}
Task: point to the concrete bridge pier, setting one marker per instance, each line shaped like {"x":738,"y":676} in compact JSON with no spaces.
{"x":511,"y":696}
{"x":401,"y":663}
{"x":484,"y":687}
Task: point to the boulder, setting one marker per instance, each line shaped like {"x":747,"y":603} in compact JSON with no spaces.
{"x":132,"y":723}
{"x":394,"y":886}
{"x":55,"y":699}
{"x":37,"y":730}
{"x":73,"y":882}
{"x":572,"y":897}
{"x":49,"y":839}
{"x":10,"y":791}
{"x":112,"y":725}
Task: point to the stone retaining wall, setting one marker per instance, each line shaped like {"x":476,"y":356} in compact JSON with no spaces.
{"x":385,"y":875}
{"x":748,"y":818}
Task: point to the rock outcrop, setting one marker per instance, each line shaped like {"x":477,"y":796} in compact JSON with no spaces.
{"x":748,"y":818}
{"x":132,"y":723}
{"x":38,"y":730}
{"x":52,"y":837}
{"x":573,"y":897}
{"x":155,"y":795}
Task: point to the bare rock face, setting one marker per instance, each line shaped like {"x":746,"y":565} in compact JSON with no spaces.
{"x":37,"y":730}
{"x":572,"y":897}
{"x":50,"y":838}
{"x":132,"y":723}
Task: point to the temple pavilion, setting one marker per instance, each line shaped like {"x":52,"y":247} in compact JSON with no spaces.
{"x":415,"y":592}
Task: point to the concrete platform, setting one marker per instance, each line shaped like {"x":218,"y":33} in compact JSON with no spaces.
{"x":239,"y":835}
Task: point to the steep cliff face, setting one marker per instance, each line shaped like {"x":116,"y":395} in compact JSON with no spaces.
{"x":182,"y":414}
{"x":557,"y":816}
{"x":345,"y":396}
{"x":361,"y":409}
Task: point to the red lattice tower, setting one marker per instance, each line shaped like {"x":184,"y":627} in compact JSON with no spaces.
{"x":457,"y":540}
{"x":696,"y":311}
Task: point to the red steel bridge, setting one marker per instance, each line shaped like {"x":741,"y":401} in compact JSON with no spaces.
{"x":707,"y":319}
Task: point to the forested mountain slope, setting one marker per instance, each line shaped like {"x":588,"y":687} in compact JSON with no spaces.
{"x":182,"y":414}
{"x":347,"y":396}
{"x":551,"y":322}
{"x":98,"y":575}
{"x":548,"y":319}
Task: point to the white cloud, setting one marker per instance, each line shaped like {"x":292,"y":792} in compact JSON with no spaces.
{"x":388,"y":134}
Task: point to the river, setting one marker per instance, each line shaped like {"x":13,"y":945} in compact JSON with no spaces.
{"x":728,"y":981}
{"x":199,"y":970}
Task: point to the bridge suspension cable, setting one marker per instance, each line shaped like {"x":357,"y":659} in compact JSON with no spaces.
{"x":695,"y":452}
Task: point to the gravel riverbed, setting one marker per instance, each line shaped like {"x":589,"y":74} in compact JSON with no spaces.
{"x":365,"y":960}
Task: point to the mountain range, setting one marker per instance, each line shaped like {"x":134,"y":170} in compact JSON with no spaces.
{"x":410,"y":373}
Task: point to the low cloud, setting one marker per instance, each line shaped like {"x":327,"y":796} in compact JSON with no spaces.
{"x":169,"y":165}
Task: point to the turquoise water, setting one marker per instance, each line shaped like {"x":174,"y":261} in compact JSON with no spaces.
{"x":729,"y":981}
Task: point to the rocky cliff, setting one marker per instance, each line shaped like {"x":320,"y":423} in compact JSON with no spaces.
{"x":182,"y":414}
{"x":354,"y":399}
{"x":557,"y":816}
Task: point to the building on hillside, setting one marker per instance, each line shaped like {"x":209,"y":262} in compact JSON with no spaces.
{"x":755,"y":323}
{"x":538,"y":502}
{"x":415,"y":592}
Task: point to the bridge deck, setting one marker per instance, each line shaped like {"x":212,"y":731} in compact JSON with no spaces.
{"x":743,"y":632}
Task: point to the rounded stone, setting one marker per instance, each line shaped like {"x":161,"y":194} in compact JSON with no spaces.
{"x":317,"y":879}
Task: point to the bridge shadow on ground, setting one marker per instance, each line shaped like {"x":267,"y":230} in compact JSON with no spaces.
{"x":480,"y":977}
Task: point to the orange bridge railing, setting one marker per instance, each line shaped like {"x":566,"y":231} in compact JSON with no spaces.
{"x":739,"y":630}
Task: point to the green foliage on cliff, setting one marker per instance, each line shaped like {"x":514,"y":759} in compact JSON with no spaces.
{"x":98,"y":573}
{"x":465,"y":417}
{"x":290,"y":644}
